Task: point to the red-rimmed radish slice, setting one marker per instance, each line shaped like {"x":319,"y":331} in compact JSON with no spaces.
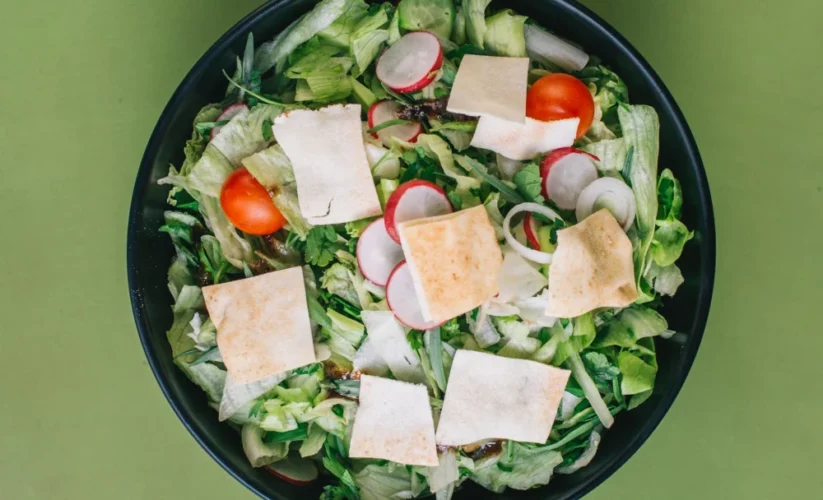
{"x":227,"y":114}
{"x":411,"y":63}
{"x":414,"y":200}
{"x":566,"y":172}
{"x":402,"y":299}
{"x":530,"y":228}
{"x":611,"y":194}
{"x":523,"y":250}
{"x":297,"y":471}
{"x":377,"y":254}
{"x":386,"y":110}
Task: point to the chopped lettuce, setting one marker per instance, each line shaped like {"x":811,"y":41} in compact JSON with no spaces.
{"x":339,"y":32}
{"x":243,"y":135}
{"x":504,"y":34}
{"x":664,"y":280}
{"x":259,"y":452}
{"x":273,"y":54}
{"x":475,"y":13}
{"x":339,"y":280}
{"x":526,"y":467}
{"x":434,"y":16}
{"x":671,"y":234}
{"x":379,"y":482}
{"x":638,"y":376}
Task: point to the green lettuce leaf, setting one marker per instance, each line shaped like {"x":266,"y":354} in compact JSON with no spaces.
{"x":631,"y":325}
{"x":504,"y":34}
{"x":339,"y":280}
{"x":272,"y":168}
{"x":526,"y":467}
{"x":273,"y":54}
{"x":475,"y":14}
{"x":529,"y":182}
{"x":243,"y":135}
{"x":379,"y":482}
{"x":235,"y":248}
{"x":611,"y":152}
{"x":339,"y":32}
{"x":664,"y":280}
{"x":207,"y":175}
{"x":435,"y":16}
{"x":671,"y":235}
{"x":368,"y":39}
{"x":258,"y":452}
{"x":638,"y":376}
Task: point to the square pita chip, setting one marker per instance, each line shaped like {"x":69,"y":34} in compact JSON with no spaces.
{"x":492,"y":397}
{"x":326,"y":149}
{"x":262,"y":324}
{"x":453,"y":260}
{"x":491,"y":86}
{"x":393,"y":422}
{"x":592,"y":267}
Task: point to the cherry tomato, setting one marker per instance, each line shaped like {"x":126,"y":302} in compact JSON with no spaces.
{"x":558,"y":96}
{"x":248,"y":205}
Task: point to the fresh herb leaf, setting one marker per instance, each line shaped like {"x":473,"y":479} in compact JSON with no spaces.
{"x":529,"y":183}
{"x":321,"y":244}
{"x":298,"y":434}
{"x":267,"y":131}
{"x":600,"y":367}
{"x":387,"y":124}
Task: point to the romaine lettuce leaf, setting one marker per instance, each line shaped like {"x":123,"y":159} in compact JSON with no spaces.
{"x":641,"y":129}
{"x":504,"y":34}
{"x":475,"y":14}
{"x":611,"y":152}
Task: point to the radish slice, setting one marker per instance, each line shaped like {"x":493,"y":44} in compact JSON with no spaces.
{"x":377,"y":254}
{"x":609,"y":193}
{"x":386,"y":110}
{"x":523,"y":250}
{"x":227,"y":114}
{"x":414,"y":200}
{"x":402,"y":299}
{"x":411,"y":63}
{"x":566,"y":172}
{"x":530,"y":228}
{"x":299,"y":472}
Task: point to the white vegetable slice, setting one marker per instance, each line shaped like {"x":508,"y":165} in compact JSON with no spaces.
{"x":377,"y":254}
{"x":417,"y":199}
{"x":403,"y":301}
{"x":410,"y":64}
{"x":545,"y":47}
{"x":384,"y":164}
{"x":294,"y":470}
{"x":526,"y":252}
{"x":566,"y":173}
{"x":611,"y":194}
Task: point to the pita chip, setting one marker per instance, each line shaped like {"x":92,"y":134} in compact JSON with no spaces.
{"x":592,"y":267}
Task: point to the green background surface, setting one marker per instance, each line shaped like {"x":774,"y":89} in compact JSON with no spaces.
{"x":81,"y":86}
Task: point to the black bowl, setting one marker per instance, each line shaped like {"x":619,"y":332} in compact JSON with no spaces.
{"x":149,"y":251}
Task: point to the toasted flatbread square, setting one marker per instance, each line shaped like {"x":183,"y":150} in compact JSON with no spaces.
{"x":325,"y":147}
{"x":453,"y":260}
{"x":393,"y":422}
{"x":592,"y":267}
{"x":491,"y":86}
{"x":492,"y":397}
{"x":262,"y":324}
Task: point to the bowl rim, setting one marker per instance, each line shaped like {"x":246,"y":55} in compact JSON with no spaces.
{"x":572,"y":8}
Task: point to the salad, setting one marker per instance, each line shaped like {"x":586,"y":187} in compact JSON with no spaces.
{"x":419,"y":245}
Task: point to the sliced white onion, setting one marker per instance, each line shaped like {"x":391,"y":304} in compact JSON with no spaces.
{"x":523,"y":250}
{"x":609,"y":193}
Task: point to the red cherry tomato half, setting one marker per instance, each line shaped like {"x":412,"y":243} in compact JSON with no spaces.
{"x":558,"y":96}
{"x":248,"y":205}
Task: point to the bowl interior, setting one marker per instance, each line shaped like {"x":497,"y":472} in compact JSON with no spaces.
{"x":150,"y":252}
